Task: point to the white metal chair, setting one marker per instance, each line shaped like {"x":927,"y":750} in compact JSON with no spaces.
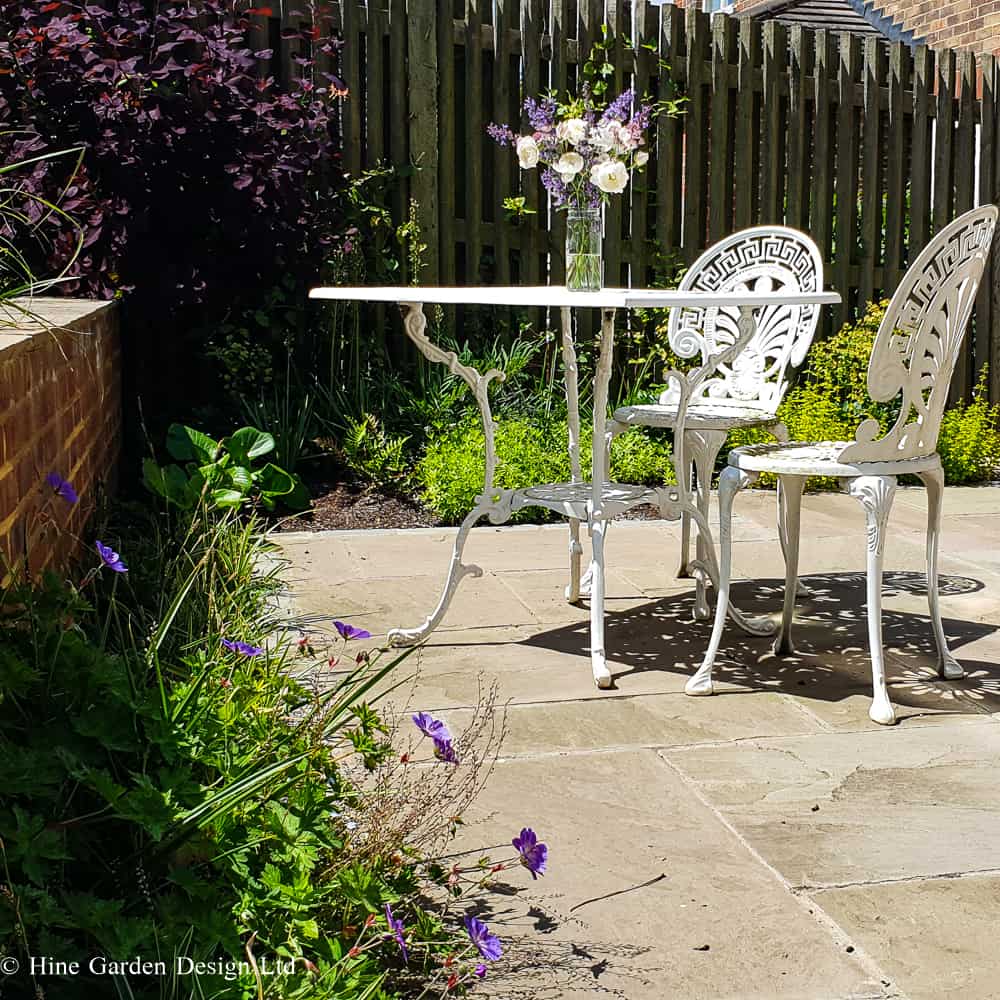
{"x":914,"y":356}
{"x":747,"y":392}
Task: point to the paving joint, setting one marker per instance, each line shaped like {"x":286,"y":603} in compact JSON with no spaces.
{"x":840,"y":937}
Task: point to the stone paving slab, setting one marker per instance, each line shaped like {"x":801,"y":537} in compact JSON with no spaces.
{"x":890,"y":888}
{"x":614,"y":821}
{"x":869,"y":806}
{"x":937,"y":935}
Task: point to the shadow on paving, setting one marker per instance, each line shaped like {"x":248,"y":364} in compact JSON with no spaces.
{"x":830,"y":636}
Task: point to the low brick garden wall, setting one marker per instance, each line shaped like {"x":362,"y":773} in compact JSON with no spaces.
{"x":60,"y":411}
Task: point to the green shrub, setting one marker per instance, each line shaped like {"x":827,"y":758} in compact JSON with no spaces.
{"x":451,"y":472}
{"x":170,"y":792}
{"x":969,"y":442}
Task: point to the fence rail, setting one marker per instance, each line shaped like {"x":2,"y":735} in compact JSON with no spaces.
{"x":868,"y":146}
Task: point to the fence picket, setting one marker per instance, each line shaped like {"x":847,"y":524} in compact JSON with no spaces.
{"x":987,"y":308}
{"x":797,"y":203}
{"x":847,"y":169}
{"x":871,"y":171}
{"x":895,"y":179}
{"x":720,"y":192}
{"x":772,"y":172}
{"x":695,"y":134}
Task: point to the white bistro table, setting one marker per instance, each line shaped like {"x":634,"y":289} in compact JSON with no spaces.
{"x":595,"y":503}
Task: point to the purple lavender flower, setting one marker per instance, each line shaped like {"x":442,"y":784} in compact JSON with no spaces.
{"x":555,"y":186}
{"x":487,"y":944}
{"x":445,"y":750}
{"x":541,"y":114}
{"x":429,"y":726}
{"x":533,"y":854}
{"x":351,"y":631}
{"x":62,"y":487}
{"x":396,"y":929}
{"x":620,"y":107}
{"x":501,"y":134}
{"x":235,"y":646}
{"x":110,"y":558}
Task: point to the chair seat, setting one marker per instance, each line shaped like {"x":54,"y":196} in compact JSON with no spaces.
{"x":718,"y":415}
{"x":819,"y":458}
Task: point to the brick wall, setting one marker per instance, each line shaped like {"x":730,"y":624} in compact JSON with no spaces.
{"x":60,"y":411}
{"x":949,"y":24}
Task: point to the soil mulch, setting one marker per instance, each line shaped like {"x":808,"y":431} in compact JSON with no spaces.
{"x":347,"y":505}
{"x":350,"y":505}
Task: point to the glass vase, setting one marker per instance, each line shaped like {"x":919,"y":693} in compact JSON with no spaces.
{"x":584,"y":265}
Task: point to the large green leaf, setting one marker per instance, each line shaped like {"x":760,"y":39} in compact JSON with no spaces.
{"x":186,"y":444}
{"x":248,"y":443}
{"x":274,"y":482}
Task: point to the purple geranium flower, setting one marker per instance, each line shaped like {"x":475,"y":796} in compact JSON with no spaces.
{"x":350,"y":631}
{"x":533,"y":854}
{"x":480,"y":971}
{"x":235,"y":646}
{"x":429,"y":726}
{"x":486,"y":943}
{"x":62,"y":487}
{"x":396,"y":928}
{"x":445,"y":750}
{"x":110,"y":558}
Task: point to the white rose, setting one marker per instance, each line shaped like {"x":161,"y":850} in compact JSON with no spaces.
{"x":641,"y":158}
{"x":574,"y":130}
{"x":603,"y":138}
{"x":568,"y":165}
{"x":610,"y":177}
{"x":527,"y":152}
{"x":623,"y":136}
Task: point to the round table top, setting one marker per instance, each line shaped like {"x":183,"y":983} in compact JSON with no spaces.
{"x":558,"y":296}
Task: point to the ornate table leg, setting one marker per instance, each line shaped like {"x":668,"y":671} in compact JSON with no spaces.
{"x":573,"y":590}
{"x":597,"y":520}
{"x":491,"y":503}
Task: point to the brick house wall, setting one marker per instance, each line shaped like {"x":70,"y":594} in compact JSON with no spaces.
{"x":60,"y":411}
{"x":949,"y":24}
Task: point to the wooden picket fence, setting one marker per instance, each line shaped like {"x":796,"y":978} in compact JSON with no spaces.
{"x":868,"y":146}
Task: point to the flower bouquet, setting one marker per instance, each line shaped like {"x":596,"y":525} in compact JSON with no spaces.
{"x":586,"y":154}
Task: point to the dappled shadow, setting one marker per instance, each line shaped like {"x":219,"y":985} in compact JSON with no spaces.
{"x":830,"y":635}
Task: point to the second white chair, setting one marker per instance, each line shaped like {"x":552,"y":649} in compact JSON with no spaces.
{"x":747,"y":392}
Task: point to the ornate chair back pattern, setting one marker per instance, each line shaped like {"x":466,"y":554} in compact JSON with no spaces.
{"x":766,"y":258}
{"x":919,"y":340}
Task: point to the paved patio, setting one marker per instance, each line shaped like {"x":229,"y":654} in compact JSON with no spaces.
{"x":807,"y":853}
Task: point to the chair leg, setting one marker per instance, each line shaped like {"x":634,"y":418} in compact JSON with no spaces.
{"x":948,"y":666}
{"x":684,"y":571}
{"x":704,"y":448}
{"x":875,"y":494}
{"x":789,"y":510}
{"x":730,"y":482}
{"x":575,"y":553}
{"x":602,"y":676}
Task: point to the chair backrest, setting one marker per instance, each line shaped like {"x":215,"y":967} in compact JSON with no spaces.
{"x":765,"y":258}
{"x":919,"y":339}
